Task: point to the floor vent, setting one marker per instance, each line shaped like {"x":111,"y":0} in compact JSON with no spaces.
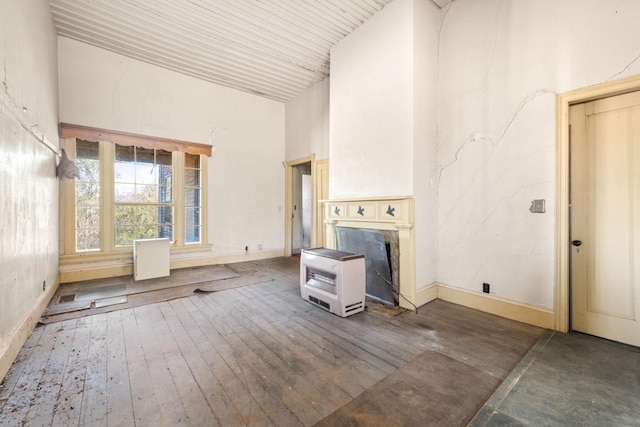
{"x":66,"y":298}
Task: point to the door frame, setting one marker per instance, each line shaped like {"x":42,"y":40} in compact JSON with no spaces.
{"x":563,"y":231}
{"x":288,"y":199}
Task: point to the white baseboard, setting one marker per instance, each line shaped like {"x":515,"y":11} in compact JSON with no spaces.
{"x":533,"y":315}
{"x":78,"y":272}
{"x":10,"y":348}
{"x":427,"y":294}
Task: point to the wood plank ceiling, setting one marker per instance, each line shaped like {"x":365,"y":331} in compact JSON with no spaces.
{"x":272,"y":48}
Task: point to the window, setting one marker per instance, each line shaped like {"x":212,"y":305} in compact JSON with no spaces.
{"x":143,"y":199}
{"x":192,"y":198}
{"x":132,"y":192}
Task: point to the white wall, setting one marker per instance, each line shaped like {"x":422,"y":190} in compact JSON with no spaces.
{"x":307,"y":123}
{"x":426,"y":24}
{"x":28,"y":185}
{"x":371,"y":107}
{"x":246,"y":178}
{"x":501,"y":63}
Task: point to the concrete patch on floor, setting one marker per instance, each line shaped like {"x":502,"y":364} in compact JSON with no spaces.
{"x":568,"y":379}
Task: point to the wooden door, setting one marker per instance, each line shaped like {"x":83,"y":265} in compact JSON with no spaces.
{"x":322,"y":193}
{"x":605,"y":217}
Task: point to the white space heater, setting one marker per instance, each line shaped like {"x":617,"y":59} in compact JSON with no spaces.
{"x":333,"y":280}
{"x":150,"y":258}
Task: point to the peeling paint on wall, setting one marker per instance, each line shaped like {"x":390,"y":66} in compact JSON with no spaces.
{"x":28,"y":143}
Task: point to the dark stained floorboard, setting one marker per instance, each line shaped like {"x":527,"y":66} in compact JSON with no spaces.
{"x":260,"y":355}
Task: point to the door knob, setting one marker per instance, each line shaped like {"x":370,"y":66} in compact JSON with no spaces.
{"x":576,"y":242}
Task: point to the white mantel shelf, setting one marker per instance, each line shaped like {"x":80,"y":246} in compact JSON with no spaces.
{"x":379,"y":213}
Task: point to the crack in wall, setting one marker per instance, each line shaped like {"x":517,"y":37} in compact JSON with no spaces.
{"x":495,"y":45}
{"x":5,"y":83}
{"x":482,"y":265}
{"x":626,"y":68}
{"x":144,"y":103}
{"x":115,"y":87}
{"x":493,"y":211}
{"x":481,"y":136}
{"x":435,"y":185}
{"x":503,"y":199}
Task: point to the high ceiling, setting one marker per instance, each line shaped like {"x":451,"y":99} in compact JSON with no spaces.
{"x":272,"y":48}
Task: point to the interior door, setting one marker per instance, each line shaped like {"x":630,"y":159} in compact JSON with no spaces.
{"x":322,"y":193}
{"x":296,"y":211}
{"x":605,"y":217}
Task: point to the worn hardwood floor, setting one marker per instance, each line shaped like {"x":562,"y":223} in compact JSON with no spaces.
{"x":260,"y":355}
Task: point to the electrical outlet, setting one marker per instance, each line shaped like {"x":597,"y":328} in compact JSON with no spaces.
{"x":246,"y":248}
{"x":259,"y":246}
{"x":486,"y":288}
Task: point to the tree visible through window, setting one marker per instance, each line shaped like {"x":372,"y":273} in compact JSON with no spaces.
{"x":88,"y":196}
{"x":143,"y":194}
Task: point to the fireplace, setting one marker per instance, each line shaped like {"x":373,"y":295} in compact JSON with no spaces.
{"x":380,"y":248}
{"x":390,"y":216}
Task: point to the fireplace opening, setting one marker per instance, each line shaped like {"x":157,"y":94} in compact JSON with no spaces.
{"x":382,"y":260}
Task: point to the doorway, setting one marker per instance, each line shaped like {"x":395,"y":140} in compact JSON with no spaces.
{"x":568,"y":228}
{"x":301,"y":209}
{"x":300,"y":200}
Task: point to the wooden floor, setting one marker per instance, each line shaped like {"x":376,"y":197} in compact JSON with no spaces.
{"x":260,"y":355}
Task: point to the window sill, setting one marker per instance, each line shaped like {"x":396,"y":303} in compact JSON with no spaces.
{"x":124,"y":255}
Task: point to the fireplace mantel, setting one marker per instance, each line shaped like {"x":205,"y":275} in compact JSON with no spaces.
{"x":380,"y":213}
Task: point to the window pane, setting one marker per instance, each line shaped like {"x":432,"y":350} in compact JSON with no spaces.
{"x":87,"y":239}
{"x":164,"y":157}
{"x":165,"y":215}
{"x":146,"y":215}
{"x":125,"y":172}
{"x":165,"y":231}
{"x":125,"y":154}
{"x":192,"y":216}
{"x":144,"y":155}
{"x":146,"y":193}
{"x":125,"y":235}
{"x":87,"y":196}
{"x":165,"y":175}
{"x":87,"y":193}
{"x":89,"y":169}
{"x":146,"y":173}
{"x":165,"y":195}
{"x":125,"y":215}
{"x":146,"y":231}
{"x":193,"y":234}
{"x":143,"y":194}
{"x":125,"y":192}
{"x":87,"y":216}
{"x":192,"y":197}
{"x":192,"y":178}
{"x":192,"y":161}
{"x":143,"y":222}
{"x":87,"y":150}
